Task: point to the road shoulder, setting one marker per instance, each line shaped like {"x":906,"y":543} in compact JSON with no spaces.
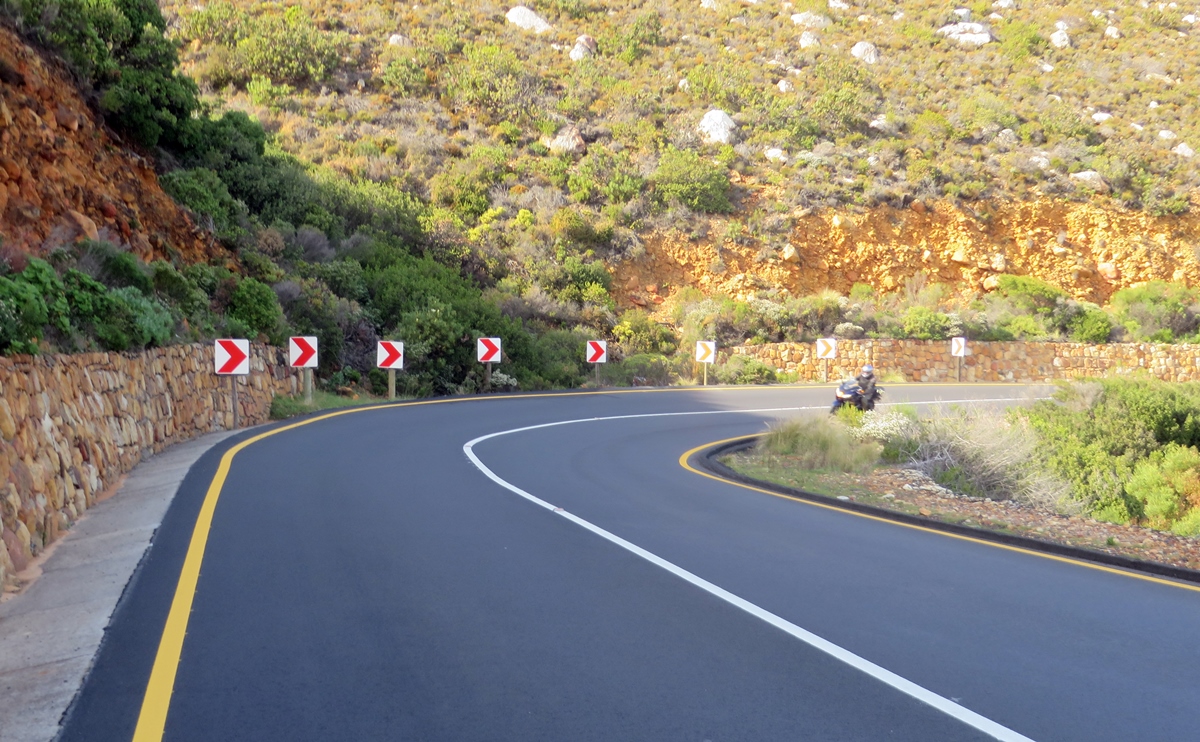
{"x":50,"y":632}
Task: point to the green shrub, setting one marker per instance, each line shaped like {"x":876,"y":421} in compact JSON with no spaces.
{"x":700,"y":185}
{"x":1157,"y":310}
{"x":23,"y":316}
{"x":745,"y":370}
{"x":638,"y":334}
{"x":1029,"y":293}
{"x":255,"y":304}
{"x":923,"y":323}
{"x":1166,"y":484}
{"x":405,"y":78}
{"x":1093,"y":326}
{"x":203,"y":191}
{"x":131,"y":321}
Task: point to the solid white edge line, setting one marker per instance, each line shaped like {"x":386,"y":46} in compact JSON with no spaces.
{"x":909,"y":688}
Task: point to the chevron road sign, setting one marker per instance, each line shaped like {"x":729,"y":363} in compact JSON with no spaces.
{"x":389,"y":354}
{"x":232,"y":357}
{"x":706,"y":351}
{"x":488,"y":350}
{"x":597,"y":351}
{"x":302,"y":352}
{"x":958,"y":347}
{"x":827,"y":348}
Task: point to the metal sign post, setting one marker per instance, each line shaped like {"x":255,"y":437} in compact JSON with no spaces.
{"x":706,"y":354}
{"x":958,"y":349}
{"x":231,"y":357}
{"x":826,"y":349}
{"x":389,"y":354}
{"x":597,"y":353}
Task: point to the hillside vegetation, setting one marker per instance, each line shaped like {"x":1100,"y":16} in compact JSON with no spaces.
{"x":435,"y":172}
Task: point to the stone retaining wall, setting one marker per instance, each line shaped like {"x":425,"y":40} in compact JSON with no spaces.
{"x":930,"y":360}
{"x":71,"y":425}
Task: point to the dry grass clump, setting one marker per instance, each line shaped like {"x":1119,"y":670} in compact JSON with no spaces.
{"x":823,"y":444}
{"x":984,"y":453}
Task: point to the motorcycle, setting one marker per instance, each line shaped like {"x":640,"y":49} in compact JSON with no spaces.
{"x":849,"y":392}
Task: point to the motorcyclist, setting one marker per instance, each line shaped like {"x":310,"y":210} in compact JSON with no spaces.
{"x":866,"y":381}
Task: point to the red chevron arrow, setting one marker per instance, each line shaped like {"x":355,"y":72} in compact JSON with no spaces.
{"x":598,"y":351}
{"x":393,"y":354}
{"x":491,"y":349}
{"x":306,"y":352}
{"x":236,"y":356}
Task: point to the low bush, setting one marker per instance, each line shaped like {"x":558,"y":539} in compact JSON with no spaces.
{"x":744,"y":370}
{"x":698,"y":184}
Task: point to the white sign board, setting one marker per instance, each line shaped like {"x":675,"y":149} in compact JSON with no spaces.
{"x":706,"y":351}
{"x":597,"y":351}
{"x":302,"y":352}
{"x":826,"y":348}
{"x":958,"y":347}
{"x":231,"y":357}
{"x":389,"y":354}
{"x":487,"y":350}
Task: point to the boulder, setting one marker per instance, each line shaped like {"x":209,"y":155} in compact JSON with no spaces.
{"x":585,"y":46}
{"x":881,"y":124}
{"x":866,"y":52}
{"x":967,"y":34}
{"x":716,"y":127}
{"x":399,"y":40}
{"x":991,"y":283}
{"x":569,"y":141}
{"x":775,"y":154}
{"x":1060,"y":39}
{"x":960,"y":257}
{"x":86,"y":225}
{"x":999,"y":263}
{"x":1167,"y":135}
{"x":1091,"y":179}
{"x":708,"y":4}
{"x":684,"y":85}
{"x":527,"y":20}
{"x":1004,"y":4}
{"x":808,"y":40}
{"x":785,"y":86}
{"x":1112,"y":32}
{"x":809,"y":19}
{"x":1100,"y":117}
{"x":1109,"y":271}
{"x":839,"y":5}
{"x":963,"y":14}
{"x":1183,"y":150}
{"x":790,"y":254}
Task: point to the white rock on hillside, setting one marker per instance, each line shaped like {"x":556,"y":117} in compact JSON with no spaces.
{"x":708,"y":4}
{"x":1167,"y":134}
{"x":1112,"y":32}
{"x":527,"y":20}
{"x":967,"y":34}
{"x":808,"y":40}
{"x":785,"y":86}
{"x":1091,"y":179}
{"x":775,"y":154}
{"x":963,"y":14}
{"x":865,"y":51}
{"x":1183,"y":150}
{"x":809,"y":19}
{"x":716,"y":127}
{"x":1060,"y":39}
{"x":881,"y":124}
{"x":839,"y":5}
{"x":1040,"y":160}
{"x":568,"y":141}
{"x":1189,"y":19}
{"x":585,"y":46}
{"x":1004,"y":4}
{"x":398,"y":40}
{"x":684,"y":85}
{"x":1100,"y":117}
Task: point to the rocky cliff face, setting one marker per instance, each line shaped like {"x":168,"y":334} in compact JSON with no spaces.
{"x":64,"y":176}
{"x":1088,"y":249}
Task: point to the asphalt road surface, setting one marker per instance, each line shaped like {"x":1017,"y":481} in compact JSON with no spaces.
{"x":402,"y":573}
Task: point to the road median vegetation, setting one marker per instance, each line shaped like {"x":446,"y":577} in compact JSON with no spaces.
{"x":1108,"y":464}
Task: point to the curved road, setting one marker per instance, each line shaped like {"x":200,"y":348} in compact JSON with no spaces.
{"x":366,"y":577}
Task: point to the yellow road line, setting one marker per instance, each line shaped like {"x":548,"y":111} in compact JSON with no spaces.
{"x":683,"y":461}
{"x":152,"y":718}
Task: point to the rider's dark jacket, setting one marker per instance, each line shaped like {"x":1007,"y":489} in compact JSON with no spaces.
{"x":867,"y":384}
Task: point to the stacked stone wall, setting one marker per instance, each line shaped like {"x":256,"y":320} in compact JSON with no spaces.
{"x":930,"y":360}
{"x":71,"y":425}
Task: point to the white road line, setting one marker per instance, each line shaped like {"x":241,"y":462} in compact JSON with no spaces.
{"x":945,"y":705}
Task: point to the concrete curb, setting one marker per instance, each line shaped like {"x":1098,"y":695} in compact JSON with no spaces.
{"x":707,"y":459}
{"x":49,"y":635}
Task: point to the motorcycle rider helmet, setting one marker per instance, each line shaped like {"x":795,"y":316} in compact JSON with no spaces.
{"x":868,"y":370}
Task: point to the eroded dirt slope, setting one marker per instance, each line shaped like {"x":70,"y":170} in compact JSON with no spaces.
{"x":63,"y":175}
{"x":1088,"y":249}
